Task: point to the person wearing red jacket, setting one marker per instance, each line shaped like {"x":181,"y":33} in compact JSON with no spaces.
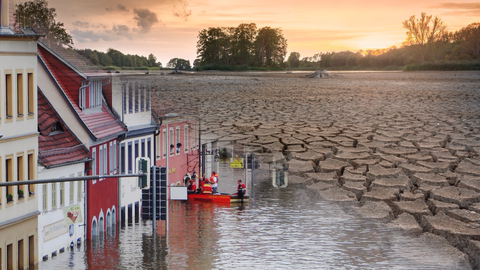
{"x":191,"y":187}
{"x":207,"y":188}
{"x":241,"y":190}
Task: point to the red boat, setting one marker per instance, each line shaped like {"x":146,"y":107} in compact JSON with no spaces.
{"x":217,"y":198}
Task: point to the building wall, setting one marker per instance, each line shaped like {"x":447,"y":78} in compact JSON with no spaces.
{"x":129,"y":192}
{"x":101,"y":194}
{"x":52,"y":235}
{"x":18,"y":148}
{"x":183,"y":159}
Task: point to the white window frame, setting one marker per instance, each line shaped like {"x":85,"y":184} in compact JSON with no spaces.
{"x":94,"y":163}
{"x":185,"y":138}
{"x":177,"y":140}
{"x":164,"y":143}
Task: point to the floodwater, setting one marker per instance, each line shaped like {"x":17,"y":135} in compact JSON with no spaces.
{"x":278,"y":229}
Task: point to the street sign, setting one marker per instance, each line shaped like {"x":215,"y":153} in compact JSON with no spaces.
{"x":236,"y":163}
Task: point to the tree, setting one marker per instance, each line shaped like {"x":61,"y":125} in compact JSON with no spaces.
{"x":270,"y":47}
{"x":424,"y":32}
{"x":294,"y":59}
{"x":152,"y":61}
{"x":179,"y":64}
{"x":243,"y":43}
{"x":37,"y":15}
{"x":469,"y":38}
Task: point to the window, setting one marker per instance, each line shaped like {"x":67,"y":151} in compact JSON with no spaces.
{"x":122,"y":158}
{"x":185,"y":138}
{"x":79,"y":188}
{"x":130,"y":157}
{"x":54,"y":195}
{"x":56,"y":128}
{"x":20,"y":176}
{"x":114,"y":165}
{"x":31,"y":95}
{"x":105,"y":160}
{"x":142,"y":147}
{"x":111,"y":158}
{"x":177,"y":140}
{"x":62,"y":194}
{"x":9,"y":176}
{"x":164,"y":143}
{"x":171,"y":141}
{"x":100,"y":160}
{"x":137,"y":152}
{"x":72,"y":190}
{"x":91,"y":94}
{"x":149,"y":148}
{"x":31,"y":172}
{"x":9,"y":96}
{"x":44,"y":198}
{"x":94,"y":164}
{"x":192,"y":136}
{"x":20,"y":109}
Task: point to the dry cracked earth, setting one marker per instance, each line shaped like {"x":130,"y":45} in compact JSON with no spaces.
{"x":404,"y":146}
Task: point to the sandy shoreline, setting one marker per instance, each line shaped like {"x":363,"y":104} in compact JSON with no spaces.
{"x":403,"y":146}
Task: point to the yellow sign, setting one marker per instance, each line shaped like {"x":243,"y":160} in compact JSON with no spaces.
{"x":236,"y":163}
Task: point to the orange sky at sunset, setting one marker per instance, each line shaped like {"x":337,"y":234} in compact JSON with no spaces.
{"x":169,"y":28}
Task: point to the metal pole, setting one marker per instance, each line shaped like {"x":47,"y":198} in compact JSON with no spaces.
{"x":199,"y":149}
{"x":154,"y":199}
{"x":253,"y":169}
{"x":67,"y":179}
{"x":168,"y":185}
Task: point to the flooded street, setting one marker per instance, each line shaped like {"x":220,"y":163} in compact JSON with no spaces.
{"x":278,"y":229}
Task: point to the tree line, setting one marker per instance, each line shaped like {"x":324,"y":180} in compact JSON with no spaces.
{"x":116,"y":58}
{"x":240,"y":47}
{"x":428,"y":45}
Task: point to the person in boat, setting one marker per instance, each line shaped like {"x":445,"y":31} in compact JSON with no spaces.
{"x":207,"y":188}
{"x":241,"y":189}
{"x":214,"y":181}
{"x":200,"y":184}
{"x":186,"y":179}
{"x":194,"y":176}
{"x":191,"y":187}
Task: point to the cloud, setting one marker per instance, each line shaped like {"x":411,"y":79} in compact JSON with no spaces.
{"x":460,"y":9}
{"x":145,"y":19}
{"x":122,"y":30}
{"x":475,"y":6}
{"x":90,"y":36}
{"x":119,"y":7}
{"x":180,"y":10}
{"x":81,"y":24}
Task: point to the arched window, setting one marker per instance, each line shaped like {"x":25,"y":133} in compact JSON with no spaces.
{"x":94,"y":231}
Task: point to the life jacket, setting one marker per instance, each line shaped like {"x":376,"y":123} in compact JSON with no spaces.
{"x":214,"y":178}
{"x":207,"y":189}
{"x":192,"y":187}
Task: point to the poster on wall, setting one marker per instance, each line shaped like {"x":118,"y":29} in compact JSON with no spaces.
{"x":72,"y":214}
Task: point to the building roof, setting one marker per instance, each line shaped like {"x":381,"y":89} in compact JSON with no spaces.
{"x":57,"y":148}
{"x":101,"y":124}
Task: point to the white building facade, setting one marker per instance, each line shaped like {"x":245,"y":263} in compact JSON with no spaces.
{"x":18,"y":143}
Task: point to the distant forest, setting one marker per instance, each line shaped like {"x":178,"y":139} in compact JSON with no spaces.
{"x":113,"y":58}
{"x":428,"y":46}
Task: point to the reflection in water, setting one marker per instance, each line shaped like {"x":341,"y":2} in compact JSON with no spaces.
{"x":278,"y":229}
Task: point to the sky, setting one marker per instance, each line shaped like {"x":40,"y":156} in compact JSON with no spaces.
{"x":169,"y":28}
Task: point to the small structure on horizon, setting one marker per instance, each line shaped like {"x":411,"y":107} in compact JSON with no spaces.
{"x":318,"y":74}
